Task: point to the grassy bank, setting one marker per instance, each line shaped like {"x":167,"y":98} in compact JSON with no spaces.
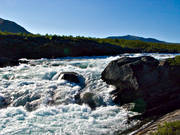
{"x":52,"y":46}
{"x":143,"y":46}
{"x":168,"y":128}
{"x":175,"y":61}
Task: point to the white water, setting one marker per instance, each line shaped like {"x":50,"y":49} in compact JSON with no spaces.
{"x":67,"y":117}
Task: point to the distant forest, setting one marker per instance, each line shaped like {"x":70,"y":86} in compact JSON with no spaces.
{"x":24,"y":45}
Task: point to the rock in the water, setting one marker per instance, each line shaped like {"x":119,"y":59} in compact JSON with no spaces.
{"x":91,"y":99}
{"x":3,"y":102}
{"x":22,"y":100}
{"x":8,"y":62}
{"x":71,"y":77}
{"x":152,"y":85}
{"x":58,"y":97}
{"x":31,"y":106}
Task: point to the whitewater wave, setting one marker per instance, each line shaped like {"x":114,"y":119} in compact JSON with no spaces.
{"x":37,"y":82}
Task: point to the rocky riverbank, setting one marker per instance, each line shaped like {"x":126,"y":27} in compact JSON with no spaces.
{"x":152,"y":86}
{"x":153,"y":126}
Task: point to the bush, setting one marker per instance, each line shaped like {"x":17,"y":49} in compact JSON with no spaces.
{"x":168,"y":128}
{"x":174,"y":61}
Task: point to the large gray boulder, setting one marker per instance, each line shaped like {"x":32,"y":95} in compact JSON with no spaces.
{"x":154,"y":86}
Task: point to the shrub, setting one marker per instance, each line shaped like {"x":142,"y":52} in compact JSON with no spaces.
{"x":174,"y":61}
{"x":168,"y":128}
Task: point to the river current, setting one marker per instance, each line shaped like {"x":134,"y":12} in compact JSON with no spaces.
{"x":66,"y":117}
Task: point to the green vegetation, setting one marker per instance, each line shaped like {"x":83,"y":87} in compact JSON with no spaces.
{"x":22,"y":45}
{"x":168,"y":128}
{"x":131,"y":44}
{"x":174,"y":61}
{"x":143,"y":46}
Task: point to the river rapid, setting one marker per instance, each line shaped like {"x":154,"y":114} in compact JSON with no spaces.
{"x":37,"y":79}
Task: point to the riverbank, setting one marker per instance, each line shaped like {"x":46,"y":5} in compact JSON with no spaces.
{"x":148,"y":86}
{"x":31,"y":46}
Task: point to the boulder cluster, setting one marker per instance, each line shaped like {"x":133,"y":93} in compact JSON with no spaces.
{"x":32,"y":100}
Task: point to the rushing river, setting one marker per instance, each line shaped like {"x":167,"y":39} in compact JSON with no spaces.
{"x":65,"y":117}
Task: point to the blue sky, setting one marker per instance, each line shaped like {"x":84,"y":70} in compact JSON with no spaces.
{"x":97,"y":18}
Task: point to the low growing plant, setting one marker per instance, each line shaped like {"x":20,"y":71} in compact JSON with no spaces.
{"x":168,"y":128}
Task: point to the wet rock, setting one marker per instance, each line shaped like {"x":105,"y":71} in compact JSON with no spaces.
{"x":8,"y":62}
{"x":22,"y":100}
{"x":23,"y":61}
{"x":3,"y":102}
{"x":91,"y":99}
{"x":71,"y":77}
{"x":77,"y":98}
{"x":31,"y":106}
{"x":58,"y":97}
{"x":63,"y":97}
{"x":17,"y":94}
{"x":153,"y":86}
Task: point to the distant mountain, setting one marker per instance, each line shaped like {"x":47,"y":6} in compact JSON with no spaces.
{"x":130,"y":37}
{"x":9,"y":26}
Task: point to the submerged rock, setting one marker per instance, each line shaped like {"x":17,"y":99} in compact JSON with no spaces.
{"x":31,"y":106}
{"x":153,"y":86}
{"x":91,"y":99}
{"x":58,"y":97}
{"x":22,"y":100}
{"x":3,"y":101}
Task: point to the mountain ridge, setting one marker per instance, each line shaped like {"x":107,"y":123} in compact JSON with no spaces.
{"x":10,"y":26}
{"x":13,"y":27}
{"x":132,"y":37}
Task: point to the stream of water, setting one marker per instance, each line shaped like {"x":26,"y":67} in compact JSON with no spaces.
{"x":65,"y":117}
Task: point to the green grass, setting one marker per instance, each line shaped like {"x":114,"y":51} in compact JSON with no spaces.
{"x":174,"y":61}
{"x":168,"y":128}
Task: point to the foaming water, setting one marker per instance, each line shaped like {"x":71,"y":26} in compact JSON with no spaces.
{"x":38,"y":79}
{"x":64,"y":119}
